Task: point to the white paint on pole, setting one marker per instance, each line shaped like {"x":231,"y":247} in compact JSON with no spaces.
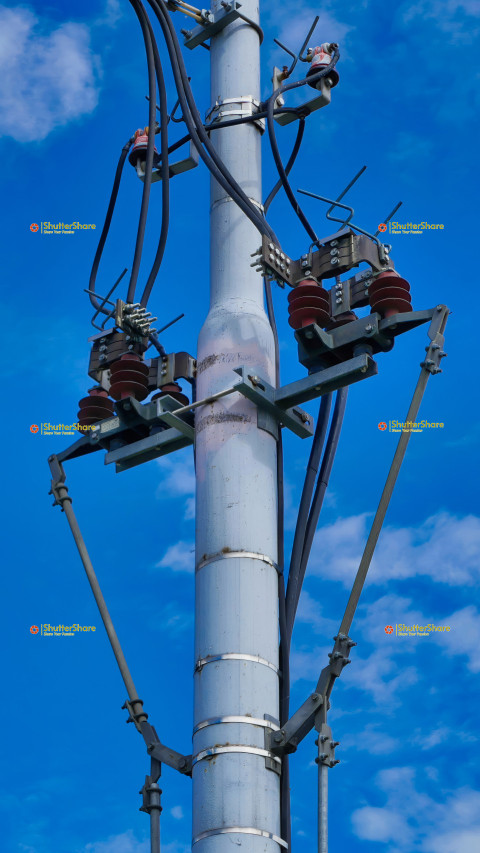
{"x":236,"y":607}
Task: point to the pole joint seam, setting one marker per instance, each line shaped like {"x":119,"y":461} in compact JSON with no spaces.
{"x":241,"y":830}
{"x":251,"y":555}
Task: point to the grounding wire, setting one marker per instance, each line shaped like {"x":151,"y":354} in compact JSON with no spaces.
{"x":195,"y":126}
{"x":147,"y":37}
{"x":314,"y":462}
{"x":313,"y":78}
{"x":320,"y":489}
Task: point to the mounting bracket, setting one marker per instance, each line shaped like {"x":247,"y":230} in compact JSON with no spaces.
{"x":216,"y":21}
{"x":323,"y":99}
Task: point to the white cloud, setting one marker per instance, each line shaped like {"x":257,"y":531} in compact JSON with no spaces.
{"x":48,"y":76}
{"x":178,"y":479}
{"x":179,"y":557}
{"x":372,"y":740}
{"x":456,"y":19}
{"x":412,"y":820}
{"x":126,"y":842}
{"x":177,"y":813}
{"x":443,"y":547}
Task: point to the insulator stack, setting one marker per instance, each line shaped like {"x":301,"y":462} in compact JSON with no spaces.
{"x":321,"y":58}
{"x":129,"y":378}
{"x":96,"y":407}
{"x":173,"y":390}
{"x":309,"y":303}
{"x":139,"y":150}
{"x":389,"y":294}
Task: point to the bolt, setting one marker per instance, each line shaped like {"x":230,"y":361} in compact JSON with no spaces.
{"x":339,"y":300}
{"x":314,"y":697}
{"x":102,"y":340}
{"x":277,"y":252}
{"x":323,"y":756}
{"x":333,"y":763}
{"x":127,"y":406}
{"x":282,"y":256}
{"x":335,"y":261}
{"x":335,"y":743}
{"x":369,"y":329}
{"x":270,"y":257}
{"x":305,"y":418}
{"x":282,"y":266}
{"x":288,"y":270}
{"x":271,"y":246}
{"x":309,"y":334}
{"x":130,"y":346}
{"x":323,"y":738}
{"x":278,"y":737}
{"x":182,"y":763}
{"x":334,"y":252}
{"x":304,"y":263}
{"x":334,"y":243}
{"x":102,"y":357}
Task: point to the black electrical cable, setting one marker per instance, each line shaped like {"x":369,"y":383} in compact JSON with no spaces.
{"x":304,"y":509}
{"x":164,"y":171}
{"x":106,"y":228}
{"x":152,"y":94}
{"x":321,"y":487}
{"x":284,"y":652}
{"x":195,"y":125}
{"x":313,"y":78}
{"x":291,"y":160}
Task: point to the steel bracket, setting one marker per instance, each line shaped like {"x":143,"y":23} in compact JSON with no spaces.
{"x":177,"y":168}
{"x":215,"y":22}
{"x":162,"y":753}
{"x":326,"y":746}
{"x":323,"y":99}
{"x":308,"y":716}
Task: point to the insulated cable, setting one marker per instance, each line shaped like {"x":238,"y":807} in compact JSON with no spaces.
{"x":313,"y":78}
{"x":195,"y":125}
{"x":147,"y":37}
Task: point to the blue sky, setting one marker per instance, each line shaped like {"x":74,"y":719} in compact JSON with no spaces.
{"x":72,"y":87}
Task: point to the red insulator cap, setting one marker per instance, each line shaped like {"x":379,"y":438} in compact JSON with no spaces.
{"x":96,"y":407}
{"x":309,"y":303}
{"x":321,"y":58}
{"x":389,"y":294}
{"x":129,"y":378}
{"x":139,"y":150}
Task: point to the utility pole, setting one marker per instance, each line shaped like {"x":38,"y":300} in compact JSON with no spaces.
{"x":235,"y":794}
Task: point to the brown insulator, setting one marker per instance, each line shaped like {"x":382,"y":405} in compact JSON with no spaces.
{"x":389,"y":294}
{"x":172,"y":390}
{"x":129,"y":377}
{"x":96,"y":407}
{"x":341,"y":320}
{"x":309,"y":303}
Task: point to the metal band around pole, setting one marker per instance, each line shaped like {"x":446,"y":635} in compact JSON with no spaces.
{"x":237,"y":748}
{"x":235,"y":656}
{"x":252,"y":721}
{"x":229,"y":554}
{"x":240,"y":830}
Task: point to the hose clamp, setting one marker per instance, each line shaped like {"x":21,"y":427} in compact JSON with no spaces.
{"x":243,"y":105}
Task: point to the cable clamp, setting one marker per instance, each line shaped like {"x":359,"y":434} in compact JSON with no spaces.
{"x":326,"y":747}
{"x":133,"y":717}
{"x":247,"y":106}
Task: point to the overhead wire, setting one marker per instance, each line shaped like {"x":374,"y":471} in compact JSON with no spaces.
{"x":147,"y":38}
{"x":286,"y":87}
{"x":195,"y":125}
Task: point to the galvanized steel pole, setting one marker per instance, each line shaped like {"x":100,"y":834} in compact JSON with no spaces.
{"x":235,"y":793}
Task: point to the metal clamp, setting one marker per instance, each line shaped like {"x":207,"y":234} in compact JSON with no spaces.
{"x":326,"y":747}
{"x":249,"y":106}
{"x":235,"y":656}
{"x":214,"y":23}
{"x":236,"y":748}
{"x":240,"y":830}
{"x":251,"y":721}
{"x":251,"y":555}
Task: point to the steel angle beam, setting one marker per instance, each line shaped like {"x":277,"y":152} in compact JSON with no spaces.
{"x":216,"y":22}
{"x":260,"y":392}
{"x":147,"y":448}
{"x":282,"y":403}
{"x":179,"y":167}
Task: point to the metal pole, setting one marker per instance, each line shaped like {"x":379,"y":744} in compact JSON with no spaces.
{"x":322,"y":808}
{"x":235,"y":793}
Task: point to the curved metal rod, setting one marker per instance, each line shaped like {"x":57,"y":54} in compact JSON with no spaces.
{"x":347,"y":221}
{"x":297,"y":56}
